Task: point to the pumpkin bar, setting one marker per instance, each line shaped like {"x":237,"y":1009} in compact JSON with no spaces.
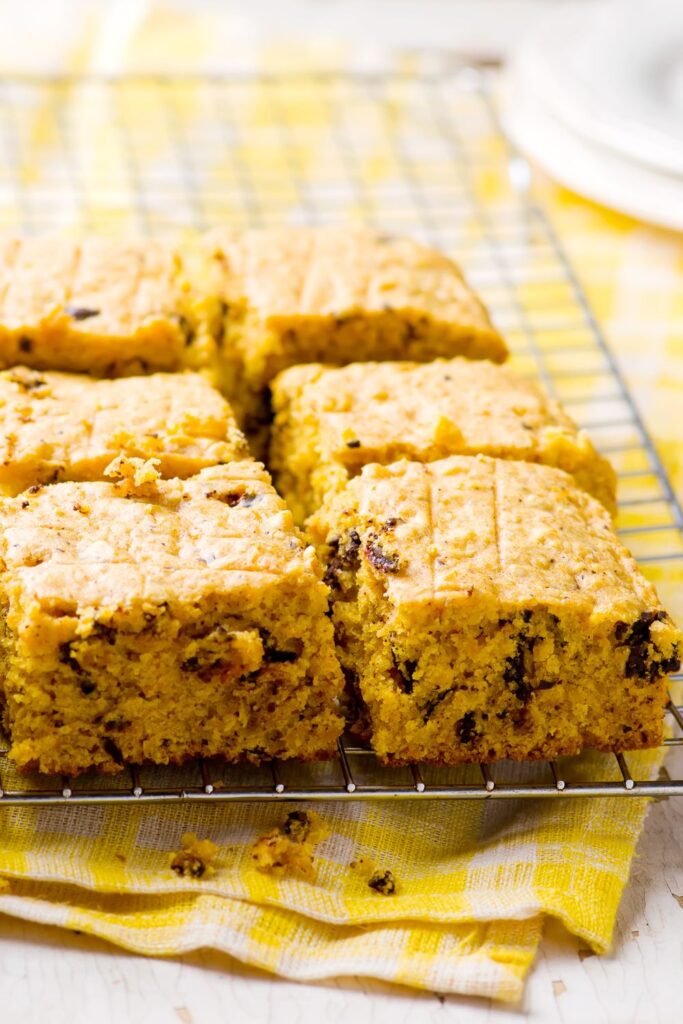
{"x":63,"y":426}
{"x":98,"y":306}
{"x":162,"y":621}
{"x":330,"y":422}
{"x":334,"y":295}
{"x":485,"y":609}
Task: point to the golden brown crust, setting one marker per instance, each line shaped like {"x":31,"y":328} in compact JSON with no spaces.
{"x":335,"y":295}
{"x":243,"y":306}
{"x":483,"y":608}
{"x":487,"y":525}
{"x":486,"y":609}
{"x":108,"y":308}
{"x":225,"y":519}
{"x":333,"y":271}
{"x":61,"y":426}
{"x":152,"y":621}
{"x":331,"y":421}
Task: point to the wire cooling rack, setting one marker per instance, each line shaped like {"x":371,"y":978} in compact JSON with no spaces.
{"x":422,"y":155}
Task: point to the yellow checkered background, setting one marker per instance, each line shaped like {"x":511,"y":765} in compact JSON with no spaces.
{"x":478,"y":878}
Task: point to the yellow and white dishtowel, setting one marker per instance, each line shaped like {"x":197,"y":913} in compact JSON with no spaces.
{"x":476,"y":879}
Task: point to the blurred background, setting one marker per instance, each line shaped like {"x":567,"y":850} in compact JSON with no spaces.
{"x":591,"y":90}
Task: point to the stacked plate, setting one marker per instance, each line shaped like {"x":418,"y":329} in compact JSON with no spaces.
{"x":595,"y":97}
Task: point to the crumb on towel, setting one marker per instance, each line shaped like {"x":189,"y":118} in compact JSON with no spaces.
{"x":196,"y":857}
{"x":380,"y":879}
{"x":287,"y":850}
{"x":383,"y":882}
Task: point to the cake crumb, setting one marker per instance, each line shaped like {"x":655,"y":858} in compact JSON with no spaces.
{"x":305,"y":827}
{"x":287,"y":850}
{"x":383,"y":882}
{"x":363,"y":866}
{"x":133,"y":476}
{"x":196,"y":857}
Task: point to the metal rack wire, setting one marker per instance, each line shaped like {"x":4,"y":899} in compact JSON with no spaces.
{"x":418,"y":154}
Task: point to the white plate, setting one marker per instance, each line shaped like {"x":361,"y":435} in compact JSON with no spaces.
{"x":614,"y":75}
{"x":599,"y":104}
{"x":630,"y":67}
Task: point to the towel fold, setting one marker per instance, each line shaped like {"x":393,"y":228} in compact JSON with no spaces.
{"x":475,"y":881}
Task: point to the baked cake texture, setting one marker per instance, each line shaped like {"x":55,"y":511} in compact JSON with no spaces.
{"x":277,"y":297}
{"x":485,"y":609}
{"x":64,"y":426}
{"x":240,"y":306}
{"x":330,"y":422}
{"x":163,"y":621}
{"x":98,"y":306}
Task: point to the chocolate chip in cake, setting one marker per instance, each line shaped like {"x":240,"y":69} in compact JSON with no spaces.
{"x":402,"y":673}
{"x":186,"y":328}
{"x":26,"y":381}
{"x":465,"y":728}
{"x":105,"y":632}
{"x":519,"y":666}
{"x":116,"y":724}
{"x":66,"y":657}
{"x":431,"y":705}
{"x":352,"y":705}
{"x":234,"y":498}
{"x":637,"y":638}
{"x":340,"y":320}
{"x":113,"y":750}
{"x":274,"y":654}
{"x":382,"y":560}
{"x":81,"y":312}
{"x":344,"y":558}
{"x":25,"y":344}
{"x":352,"y":547}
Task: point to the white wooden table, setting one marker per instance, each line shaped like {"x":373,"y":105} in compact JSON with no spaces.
{"x":50,"y":976}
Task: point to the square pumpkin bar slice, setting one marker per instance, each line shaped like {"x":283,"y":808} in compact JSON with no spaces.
{"x":330,"y":422}
{"x":62,"y":426}
{"x":161,"y":620}
{"x":277,"y":297}
{"x":105,"y":307}
{"x":485,"y":609}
